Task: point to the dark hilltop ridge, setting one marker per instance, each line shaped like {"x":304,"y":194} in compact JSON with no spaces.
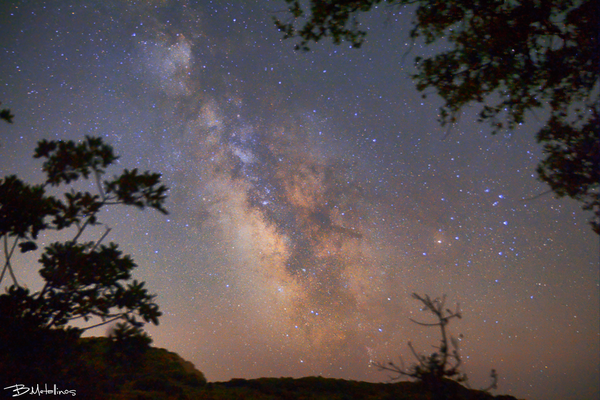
{"x":335,"y":389}
{"x":96,"y":372}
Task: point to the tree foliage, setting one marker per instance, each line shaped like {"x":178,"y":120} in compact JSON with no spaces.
{"x":81,"y":279}
{"x":511,"y":56}
{"x":435,"y":369}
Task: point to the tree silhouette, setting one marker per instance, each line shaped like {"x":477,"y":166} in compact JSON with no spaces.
{"x":435,"y":369}
{"x":512,"y":57}
{"x":6,"y":115}
{"x":81,"y":279}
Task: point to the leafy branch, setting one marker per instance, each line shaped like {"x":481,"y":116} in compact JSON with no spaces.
{"x":511,"y":57}
{"x":81,"y":280}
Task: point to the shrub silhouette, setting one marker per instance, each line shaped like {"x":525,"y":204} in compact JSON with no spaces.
{"x":437,"y":370}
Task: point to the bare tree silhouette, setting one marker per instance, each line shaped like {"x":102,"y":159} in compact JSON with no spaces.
{"x":435,"y":370}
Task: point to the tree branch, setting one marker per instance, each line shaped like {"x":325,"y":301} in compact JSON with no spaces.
{"x":7,"y":265}
{"x":120,"y":316}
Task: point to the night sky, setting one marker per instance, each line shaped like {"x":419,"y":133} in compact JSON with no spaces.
{"x":310,"y":194}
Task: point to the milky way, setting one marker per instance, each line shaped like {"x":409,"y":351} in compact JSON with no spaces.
{"x":310,"y":195}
